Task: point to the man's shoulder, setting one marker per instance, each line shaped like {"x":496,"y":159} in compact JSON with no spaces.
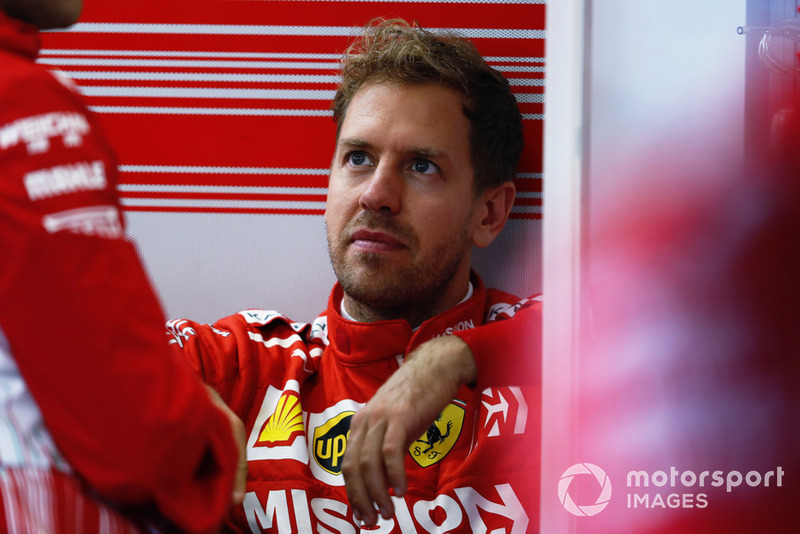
{"x":42,"y":110}
{"x":31,"y":86}
{"x":271,"y":323}
{"x":17,"y":67}
{"x":494,"y":295}
{"x":502,"y":305}
{"x":258,"y":317}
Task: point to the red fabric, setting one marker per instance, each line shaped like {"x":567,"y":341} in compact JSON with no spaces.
{"x":80,"y":318}
{"x":271,"y":370}
{"x":509,"y":352}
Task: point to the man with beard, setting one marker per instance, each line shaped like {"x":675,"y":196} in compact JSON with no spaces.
{"x":427,"y":143}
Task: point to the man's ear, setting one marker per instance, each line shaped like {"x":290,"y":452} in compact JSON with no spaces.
{"x":493,"y":210}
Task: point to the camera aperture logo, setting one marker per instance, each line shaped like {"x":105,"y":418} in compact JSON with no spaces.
{"x":584,"y":509}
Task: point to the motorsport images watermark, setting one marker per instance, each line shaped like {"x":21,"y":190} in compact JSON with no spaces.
{"x":644,"y":492}
{"x":585,"y":509}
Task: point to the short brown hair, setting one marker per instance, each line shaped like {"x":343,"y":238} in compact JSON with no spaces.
{"x":394,"y":51}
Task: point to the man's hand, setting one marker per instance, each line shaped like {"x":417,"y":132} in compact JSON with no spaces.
{"x":401,"y":410}
{"x":237,"y":429}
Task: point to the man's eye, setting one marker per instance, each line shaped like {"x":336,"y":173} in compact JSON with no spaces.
{"x":358,"y":159}
{"x":424,"y":166}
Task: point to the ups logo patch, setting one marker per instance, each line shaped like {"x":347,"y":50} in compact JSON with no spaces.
{"x":330,"y":442}
{"x":440,"y":437}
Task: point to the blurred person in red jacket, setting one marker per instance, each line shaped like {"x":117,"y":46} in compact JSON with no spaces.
{"x":101,"y":427}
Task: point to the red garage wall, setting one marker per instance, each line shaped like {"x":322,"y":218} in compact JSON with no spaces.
{"x":219,"y":110}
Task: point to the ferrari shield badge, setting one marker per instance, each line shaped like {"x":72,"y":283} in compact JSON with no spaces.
{"x":440,"y":437}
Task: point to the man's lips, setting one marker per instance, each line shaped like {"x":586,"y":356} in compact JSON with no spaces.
{"x":370,"y":241}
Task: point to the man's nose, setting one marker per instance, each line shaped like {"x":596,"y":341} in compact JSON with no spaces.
{"x":384,"y":191}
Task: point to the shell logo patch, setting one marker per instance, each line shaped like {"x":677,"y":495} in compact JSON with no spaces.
{"x":440,"y":437}
{"x":285,"y":423}
{"x":330,"y":442}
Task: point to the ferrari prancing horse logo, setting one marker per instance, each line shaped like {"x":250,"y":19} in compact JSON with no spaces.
{"x":440,"y":437}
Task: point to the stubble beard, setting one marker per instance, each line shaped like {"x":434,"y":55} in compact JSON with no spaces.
{"x":379,"y":291}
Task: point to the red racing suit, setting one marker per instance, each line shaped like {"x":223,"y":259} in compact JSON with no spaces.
{"x":93,"y":406}
{"x":296,"y":387}
{"x":521,"y":342}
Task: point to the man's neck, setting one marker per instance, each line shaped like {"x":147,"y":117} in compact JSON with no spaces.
{"x":354,"y":310}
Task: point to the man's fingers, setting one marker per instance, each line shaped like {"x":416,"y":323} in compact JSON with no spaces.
{"x":394,"y":449}
{"x":371,"y":467}
{"x":354,"y":482}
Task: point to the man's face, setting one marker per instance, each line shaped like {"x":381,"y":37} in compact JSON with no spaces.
{"x":400,"y":210}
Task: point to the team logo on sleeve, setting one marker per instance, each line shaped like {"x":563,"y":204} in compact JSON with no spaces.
{"x":437,"y":441}
{"x":37,"y":132}
{"x":330,"y":442}
{"x":504,"y":411}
